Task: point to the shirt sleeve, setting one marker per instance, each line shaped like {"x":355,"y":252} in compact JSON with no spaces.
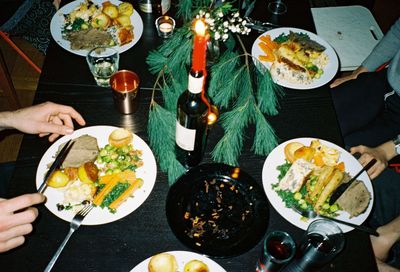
{"x":385,"y":50}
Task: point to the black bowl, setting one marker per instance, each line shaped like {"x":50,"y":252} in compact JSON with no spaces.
{"x":217,"y":210}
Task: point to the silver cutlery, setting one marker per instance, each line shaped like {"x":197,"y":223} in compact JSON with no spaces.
{"x":343,"y":187}
{"x":74,"y":225}
{"x":312,"y":214}
{"x":259,"y":25}
{"x":56,"y":164}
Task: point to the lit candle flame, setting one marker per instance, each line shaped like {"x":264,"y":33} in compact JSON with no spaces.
{"x":200,"y":28}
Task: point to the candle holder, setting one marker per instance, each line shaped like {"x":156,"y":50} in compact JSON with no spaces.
{"x":165,"y":26}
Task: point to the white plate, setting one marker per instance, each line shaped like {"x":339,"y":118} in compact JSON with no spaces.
{"x":182,"y":257}
{"x":97,"y":216}
{"x":270,"y":176}
{"x":329,"y":70}
{"x":58,"y":21}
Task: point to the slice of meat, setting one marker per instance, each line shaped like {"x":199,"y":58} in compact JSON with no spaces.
{"x":355,"y":199}
{"x":89,"y":38}
{"x":85,"y":149}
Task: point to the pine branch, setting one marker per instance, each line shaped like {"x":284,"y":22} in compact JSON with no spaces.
{"x":162,"y":123}
{"x":265,"y":138}
{"x":267,"y":91}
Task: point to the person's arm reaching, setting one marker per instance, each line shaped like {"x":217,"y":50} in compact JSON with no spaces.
{"x":43,"y":119}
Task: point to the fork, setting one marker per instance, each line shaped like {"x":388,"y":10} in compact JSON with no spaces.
{"x":74,"y":225}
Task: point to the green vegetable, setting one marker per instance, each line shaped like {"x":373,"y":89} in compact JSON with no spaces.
{"x":283,"y":169}
{"x":116,"y":191}
{"x":298,"y":196}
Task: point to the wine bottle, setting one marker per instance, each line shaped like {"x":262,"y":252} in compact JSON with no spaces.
{"x":191,"y":123}
{"x":159,"y":7}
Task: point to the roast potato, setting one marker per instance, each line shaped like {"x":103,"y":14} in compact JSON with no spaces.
{"x":163,"y":262}
{"x":195,"y":266}
{"x":289,"y":150}
{"x":120,"y":137}
{"x":124,"y":20}
{"x":101,"y":21}
{"x":88,"y":172}
{"x":304,"y":152}
{"x":111,"y":11}
{"x":125,"y":9}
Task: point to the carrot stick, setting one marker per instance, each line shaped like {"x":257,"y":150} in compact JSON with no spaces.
{"x":268,"y":51}
{"x":266,"y":58}
{"x":267,"y":39}
{"x":127,"y":193}
{"x":126,"y":175}
{"x":98,"y":199}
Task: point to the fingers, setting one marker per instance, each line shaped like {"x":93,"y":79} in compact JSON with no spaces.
{"x":21,"y":202}
{"x":16,"y":231}
{"x":71,"y":112}
{"x":14,"y":225}
{"x":12,"y":243}
{"x":20,"y":218}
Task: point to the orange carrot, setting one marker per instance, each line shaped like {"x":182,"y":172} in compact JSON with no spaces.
{"x":126,"y":175}
{"x":268,"y":51}
{"x":267,"y":58}
{"x":340,"y":166}
{"x":127,"y":193}
{"x":98,"y":199}
{"x":270,"y":43}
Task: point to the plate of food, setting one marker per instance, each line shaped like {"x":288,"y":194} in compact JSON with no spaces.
{"x":178,"y":261}
{"x":217,"y":210}
{"x":82,"y":25}
{"x":108,"y":166}
{"x":302,"y":173}
{"x":296,"y":58}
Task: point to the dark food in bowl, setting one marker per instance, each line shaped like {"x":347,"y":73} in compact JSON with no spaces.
{"x":218,"y":210}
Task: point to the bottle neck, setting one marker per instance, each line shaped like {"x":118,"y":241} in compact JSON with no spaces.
{"x":195,"y":82}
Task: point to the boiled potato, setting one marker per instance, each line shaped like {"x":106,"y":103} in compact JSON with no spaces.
{"x":124,"y":20}
{"x":195,"y":266}
{"x":111,"y":10}
{"x":58,"y":179}
{"x":101,"y":21}
{"x":125,"y":9}
{"x":88,"y":172}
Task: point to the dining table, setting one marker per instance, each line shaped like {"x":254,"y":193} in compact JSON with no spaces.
{"x":123,"y":244}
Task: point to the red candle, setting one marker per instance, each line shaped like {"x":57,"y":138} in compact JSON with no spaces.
{"x":199,"y":47}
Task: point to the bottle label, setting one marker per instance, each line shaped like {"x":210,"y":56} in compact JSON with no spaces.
{"x":195,"y":85}
{"x":185,"y":137}
{"x":146,"y":7}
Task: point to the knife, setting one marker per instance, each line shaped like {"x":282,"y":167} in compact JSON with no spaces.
{"x":56,"y":164}
{"x":343,"y":187}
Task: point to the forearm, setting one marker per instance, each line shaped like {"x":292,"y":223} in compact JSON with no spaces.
{"x":388,"y":149}
{"x":5,"y":120}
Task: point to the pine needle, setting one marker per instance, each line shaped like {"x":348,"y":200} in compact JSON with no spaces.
{"x":161,"y":130}
{"x":265,"y":138}
{"x":267,"y":91}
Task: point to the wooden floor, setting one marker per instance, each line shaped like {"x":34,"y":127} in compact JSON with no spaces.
{"x":25,"y":81}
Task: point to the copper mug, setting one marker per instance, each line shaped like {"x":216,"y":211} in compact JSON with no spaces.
{"x":125,"y":86}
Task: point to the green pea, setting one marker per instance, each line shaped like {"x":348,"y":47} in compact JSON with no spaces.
{"x":103,"y":152}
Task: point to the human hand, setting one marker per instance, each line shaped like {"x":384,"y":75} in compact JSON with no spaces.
{"x":46,"y":119}
{"x":352,"y":76}
{"x":16,"y":216}
{"x":367,"y":154}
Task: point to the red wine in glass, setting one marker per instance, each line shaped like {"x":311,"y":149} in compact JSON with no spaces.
{"x":279,"y":249}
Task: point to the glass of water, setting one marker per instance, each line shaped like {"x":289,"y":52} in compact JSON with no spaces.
{"x":103,"y":63}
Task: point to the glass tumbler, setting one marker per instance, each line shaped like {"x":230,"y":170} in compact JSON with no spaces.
{"x":103,"y":63}
{"x":278,"y":249}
